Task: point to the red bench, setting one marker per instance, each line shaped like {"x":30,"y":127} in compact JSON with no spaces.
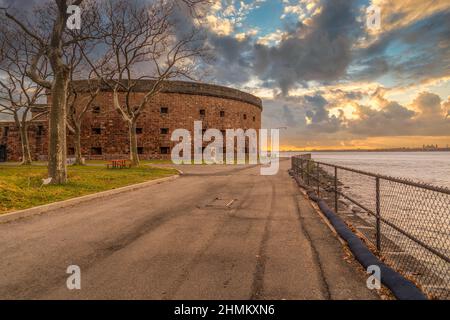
{"x":119,"y":164}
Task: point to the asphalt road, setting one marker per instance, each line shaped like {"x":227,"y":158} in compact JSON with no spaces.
{"x":217,"y":232}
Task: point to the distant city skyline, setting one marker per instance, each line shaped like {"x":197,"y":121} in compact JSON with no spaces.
{"x":406,"y":149}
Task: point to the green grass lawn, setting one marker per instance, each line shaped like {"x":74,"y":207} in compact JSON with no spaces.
{"x":154,"y":161}
{"x":21,"y":186}
{"x":99,"y":162}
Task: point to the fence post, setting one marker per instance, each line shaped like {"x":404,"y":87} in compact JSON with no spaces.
{"x":307,"y":171}
{"x":335,"y":191}
{"x":301,"y":169}
{"x":378,"y":216}
{"x":318,"y":180}
{"x":293,"y":163}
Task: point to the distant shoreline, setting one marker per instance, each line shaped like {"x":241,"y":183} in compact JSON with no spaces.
{"x":375,"y":150}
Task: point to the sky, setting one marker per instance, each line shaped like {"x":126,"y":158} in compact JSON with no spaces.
{"x":333,"y":80}
{"x":326,"y":76}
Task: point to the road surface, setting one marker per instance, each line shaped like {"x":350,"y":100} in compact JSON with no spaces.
{"x":217,"y":232}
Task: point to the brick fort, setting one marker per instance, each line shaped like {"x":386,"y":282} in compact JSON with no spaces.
{"x":105,"y":134}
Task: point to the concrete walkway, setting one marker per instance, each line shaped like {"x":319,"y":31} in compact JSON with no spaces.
{"x":218,"y":232}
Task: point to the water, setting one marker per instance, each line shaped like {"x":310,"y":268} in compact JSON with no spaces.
{"x":428,"y":167}
{"x":421,"y":213}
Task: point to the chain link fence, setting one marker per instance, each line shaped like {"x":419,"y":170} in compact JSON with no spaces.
{"x":407,"y":224}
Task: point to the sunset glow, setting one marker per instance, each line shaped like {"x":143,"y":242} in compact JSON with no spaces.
{"x":331,"y":80}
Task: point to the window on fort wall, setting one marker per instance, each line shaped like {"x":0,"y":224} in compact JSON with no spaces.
{"x":96,"y":151}
{"x":5,"y":131}
{"x":40,"y":130}
{"x":164,"y":110}
{"x":222,"y":114}
{"x":245,"y":116}
{"x":96,"y":130}
{"x":96,"y":109}
{"x":164,"y":130}
{"x":254,"y":118}
{"x":140,"y":150}
{"x":139,"y":130}
{"x":202,"y":112}
{"x":164,"y":150}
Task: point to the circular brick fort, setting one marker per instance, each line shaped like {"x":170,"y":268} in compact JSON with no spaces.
{"x":105,"y":133}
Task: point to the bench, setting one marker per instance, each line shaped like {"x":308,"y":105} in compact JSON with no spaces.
{"x":118,"y":164}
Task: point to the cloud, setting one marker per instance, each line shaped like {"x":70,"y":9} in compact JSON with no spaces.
{"x":224,"y":16}
{"x":249,"y":33}
{"x":314,"y":120}
{"x":230,"y":64}
{"x":429,"y":104}
{"x":272,"y":38}
{"x":425,"y":116}
{"x":320,"y":51}
{"x":316,"y":112}
{"x":446,"y":107}
{"x":300,"y":9}
{"x":399,"y":14}
{"x":331,"y":46}
{"x":407,"y":53}
{"x":220,"y":26}
{"x":392,"y":120}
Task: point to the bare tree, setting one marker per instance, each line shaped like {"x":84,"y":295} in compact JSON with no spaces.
{"x":144,"y":43}
{"x":19,"y":95}
{"x":48,"y":33}
{"x":81,"y":95}
{"x":78,"y":106}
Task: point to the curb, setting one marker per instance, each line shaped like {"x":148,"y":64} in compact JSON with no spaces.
{"x":11,"y":216}
{"x":159,"y":167}
{"x":402,"y":288}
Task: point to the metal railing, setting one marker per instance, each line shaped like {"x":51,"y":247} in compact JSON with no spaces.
{"x":406,"y":223}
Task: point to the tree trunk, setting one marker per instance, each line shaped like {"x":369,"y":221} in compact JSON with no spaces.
{"x":23,"y":130}
{"x":57,"y":167}
{"x":133,"y":144}
{"x":78,"y":154}
{"x":26,"y":154}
